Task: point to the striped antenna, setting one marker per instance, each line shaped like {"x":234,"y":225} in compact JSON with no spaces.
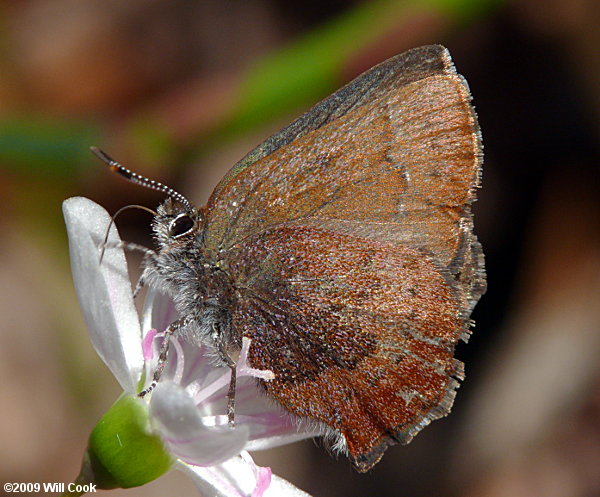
{"x":140,"y":180}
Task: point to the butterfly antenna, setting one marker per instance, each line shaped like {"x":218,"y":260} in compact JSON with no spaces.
{"x":140,"y":180}
{"x":113,"y":219}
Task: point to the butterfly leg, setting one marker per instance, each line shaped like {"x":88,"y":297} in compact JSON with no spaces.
{"x":129,"y":246}
{"x":132,"y":247}
{"x":231,"y":396}
{"x":140,"y":284}
{"x":162,"y":356}
{"x":218,"y":339}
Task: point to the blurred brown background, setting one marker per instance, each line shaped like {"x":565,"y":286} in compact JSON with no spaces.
{"x":179,"y":90}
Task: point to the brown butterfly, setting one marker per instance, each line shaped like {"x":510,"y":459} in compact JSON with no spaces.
{"x":343,"y":247}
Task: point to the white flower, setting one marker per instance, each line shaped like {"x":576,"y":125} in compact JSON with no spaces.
{"x":188,"y":407}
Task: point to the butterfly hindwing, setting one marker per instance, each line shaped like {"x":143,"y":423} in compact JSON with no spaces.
{"x":346,"y":327}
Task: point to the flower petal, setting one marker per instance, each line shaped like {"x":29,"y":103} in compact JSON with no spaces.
{"x":270,"y":425}
{"x":159,"y":311}
{"x":240,"y":477}
{"x":176,"y":417}
{"x":268,"y":430}
{"x":282,"y":487}
{"x":104,"y":291}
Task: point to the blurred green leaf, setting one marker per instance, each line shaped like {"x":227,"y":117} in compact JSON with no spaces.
{"x":461,"y":11}
{"x":153,"y":144}
{"x":306,"y":70}
{"x":44,"y":146}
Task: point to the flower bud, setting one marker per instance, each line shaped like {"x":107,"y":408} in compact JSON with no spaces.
{"x":122,"y":451}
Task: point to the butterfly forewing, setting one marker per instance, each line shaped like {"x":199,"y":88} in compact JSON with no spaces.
{"x":402,"y":69}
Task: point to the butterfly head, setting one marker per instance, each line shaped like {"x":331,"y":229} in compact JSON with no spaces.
{"x":176,"y":223}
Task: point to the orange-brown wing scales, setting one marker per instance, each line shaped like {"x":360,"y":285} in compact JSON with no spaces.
{"x":422,"y":159}
{"x":348,"y":328}
{"x":406,"y":68}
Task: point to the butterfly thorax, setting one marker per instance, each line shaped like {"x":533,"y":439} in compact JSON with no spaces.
{"x":183,"y":269}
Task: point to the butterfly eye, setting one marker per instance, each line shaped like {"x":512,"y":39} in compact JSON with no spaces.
{"x":181,"y":225}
